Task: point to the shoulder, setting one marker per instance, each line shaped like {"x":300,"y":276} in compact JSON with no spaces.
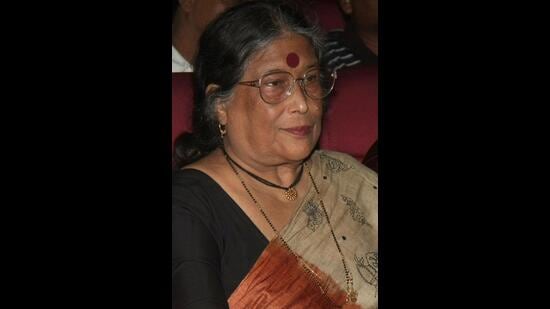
{"x":337,"y":161}
{"x":189,"y":179}
{"x":193,"y":193}
{"x":352,"y":184}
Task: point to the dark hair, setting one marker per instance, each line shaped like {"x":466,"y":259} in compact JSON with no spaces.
{"x":225,"y":48}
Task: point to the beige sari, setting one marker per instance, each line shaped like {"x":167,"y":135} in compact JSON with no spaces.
{"x":278,"y":279}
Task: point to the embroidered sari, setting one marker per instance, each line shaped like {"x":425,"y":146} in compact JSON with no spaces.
{"x":279,"y":279}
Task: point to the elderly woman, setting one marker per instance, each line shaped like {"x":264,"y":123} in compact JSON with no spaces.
{"x":260,"y":219}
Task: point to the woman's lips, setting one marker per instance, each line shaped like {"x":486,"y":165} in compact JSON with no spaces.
{"x":299,"y":131}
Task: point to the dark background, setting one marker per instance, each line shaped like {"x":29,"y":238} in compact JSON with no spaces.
{"x":87,"y":120}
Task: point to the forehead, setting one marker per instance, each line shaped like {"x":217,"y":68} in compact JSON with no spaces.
{"x":275,"y":55}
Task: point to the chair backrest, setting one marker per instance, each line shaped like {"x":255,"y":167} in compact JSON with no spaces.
{"x":350,"y":124}
{"x":182,"y":104}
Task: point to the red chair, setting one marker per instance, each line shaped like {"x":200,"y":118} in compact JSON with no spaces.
{"x":350,"y":124}
{"x":182,"y":104}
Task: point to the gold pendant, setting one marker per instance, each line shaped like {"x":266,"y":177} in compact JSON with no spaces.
{"x":291,"y":194}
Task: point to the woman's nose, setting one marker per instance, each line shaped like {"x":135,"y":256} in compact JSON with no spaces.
{"x":299,"y":97}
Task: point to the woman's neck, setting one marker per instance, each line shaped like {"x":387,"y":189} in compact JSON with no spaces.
{"x":280,"y":173}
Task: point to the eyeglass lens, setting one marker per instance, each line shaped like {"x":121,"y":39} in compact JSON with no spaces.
{"x":277,"y":86}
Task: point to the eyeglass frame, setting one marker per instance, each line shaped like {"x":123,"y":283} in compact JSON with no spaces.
{"x":258,"y":84}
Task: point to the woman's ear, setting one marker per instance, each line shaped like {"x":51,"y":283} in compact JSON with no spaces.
{"x":211,"y":88}
{"x":221,"y":107}
{"x":221,"y":112}
{"x":345,"y":5}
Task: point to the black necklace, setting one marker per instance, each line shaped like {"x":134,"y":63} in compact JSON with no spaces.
{"x":290,"y":193}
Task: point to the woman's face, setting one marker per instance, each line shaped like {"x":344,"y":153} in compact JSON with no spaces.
{"x":274,"y":133}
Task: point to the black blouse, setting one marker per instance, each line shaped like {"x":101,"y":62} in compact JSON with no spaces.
{"x":214,"y":243}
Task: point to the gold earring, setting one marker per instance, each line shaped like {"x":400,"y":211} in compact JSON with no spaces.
{"x":223,"y":130}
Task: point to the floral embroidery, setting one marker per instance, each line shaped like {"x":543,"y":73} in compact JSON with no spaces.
{"x":334,"y":165}
{"x":367,"y":266}
{"x":354,"y":211}
{"x":314,"y":215}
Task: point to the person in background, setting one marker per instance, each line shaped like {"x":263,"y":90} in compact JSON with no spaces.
{"x":353,"y":52}
{"x":357,"y":44}
{"x":188,"y":22}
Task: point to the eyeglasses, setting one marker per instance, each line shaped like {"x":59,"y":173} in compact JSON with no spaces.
{"x":275,"y":87}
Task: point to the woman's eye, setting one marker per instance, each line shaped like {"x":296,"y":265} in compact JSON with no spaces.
{"x":275,"y":83}
{"x":312,"y":78}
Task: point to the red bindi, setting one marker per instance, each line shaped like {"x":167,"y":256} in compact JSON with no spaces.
{"x":292,"y":60}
